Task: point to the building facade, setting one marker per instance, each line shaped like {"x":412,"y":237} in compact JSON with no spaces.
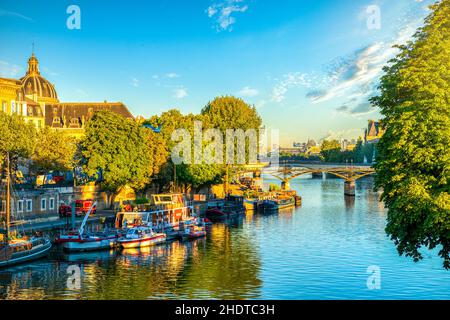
{"x":33,"y":203}
{"x":36,"y":99}
{"x":374,"y":132}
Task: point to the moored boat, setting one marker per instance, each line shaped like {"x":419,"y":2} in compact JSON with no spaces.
{"x":285,"y":202}
{"x":268,"y":205}
{"x":16,"y":249}
{"x":80,"y":240}
{"x":73,"y":241}
{"x":193,"y":232}
{"x":24,"y":250}
{"x":141,"y":236}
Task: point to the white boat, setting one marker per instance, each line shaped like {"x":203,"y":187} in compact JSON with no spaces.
{"x":18,"y":249}
{"x":141,"y":236}
{"x":75,"y":242}
{"x":82,"y":241}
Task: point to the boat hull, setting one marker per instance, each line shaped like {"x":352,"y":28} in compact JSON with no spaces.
{"x":22,"y":257}
{"x":141,"y":243}
{"x":193,"y":236}
{"x":88,"y":245}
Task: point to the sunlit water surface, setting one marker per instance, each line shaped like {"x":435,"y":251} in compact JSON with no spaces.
{"x":319,"y":251}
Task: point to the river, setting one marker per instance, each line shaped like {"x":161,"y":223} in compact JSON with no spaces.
{"x":320,"y":251}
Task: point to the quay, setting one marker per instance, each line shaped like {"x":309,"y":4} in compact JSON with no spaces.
{"x":55,"y":223}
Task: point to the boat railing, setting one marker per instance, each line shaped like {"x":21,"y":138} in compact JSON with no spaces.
{"x":146,"y":216}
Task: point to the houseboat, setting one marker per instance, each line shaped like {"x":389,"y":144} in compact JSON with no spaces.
{"x":227,"y":208}
{"x":278,"y":203}
{"x":164,"y":214}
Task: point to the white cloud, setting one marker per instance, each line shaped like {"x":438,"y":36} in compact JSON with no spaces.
{"x":290,"y":80}
{"x":172,"y":75}
{"x":356,"y":77}
{"x":248,"y":92}
{"x":9,"y":70}
{"x":222,"y":13}
{"x":180,"y":93}
{"x":342,"y":134}
{"x":135,"y":82}
{"x":15,"y":14}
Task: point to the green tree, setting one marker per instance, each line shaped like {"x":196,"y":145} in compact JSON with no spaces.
{"x":53,"y":151}
{"x":16,"y":136}
{"x":413,"y":156}
{"x":229,"y":112}
{"x":331,"y":150}
{"x":118,"y":148}
{"x":358,"y":152}
{"x":200,"y":175}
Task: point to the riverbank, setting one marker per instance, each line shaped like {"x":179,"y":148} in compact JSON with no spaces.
{"x":53,"y":222}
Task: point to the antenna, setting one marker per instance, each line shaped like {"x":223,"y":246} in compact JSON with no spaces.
{"x":32,"y":47}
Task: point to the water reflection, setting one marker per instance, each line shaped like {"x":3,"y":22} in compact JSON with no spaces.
{"x":349,"y":202}
{"x":318,"y":251}
{"x":224,"y":266}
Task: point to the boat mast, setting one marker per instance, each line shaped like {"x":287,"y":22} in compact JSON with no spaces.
{"x":8,"y":198}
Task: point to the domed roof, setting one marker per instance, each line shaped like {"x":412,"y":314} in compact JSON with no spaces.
{"x":33,"y":82}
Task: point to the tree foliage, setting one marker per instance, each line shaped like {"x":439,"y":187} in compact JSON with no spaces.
{"x":53,"y":151}
{"x":222,"y":113}
{"x":118,"y":148}
{"x":330,"y":150}
{"x":413,"y":156}
{"x":229,"y":112}
{"x":358,"y":152}
{"x":16,"y":137}
{"x":200,"y":175}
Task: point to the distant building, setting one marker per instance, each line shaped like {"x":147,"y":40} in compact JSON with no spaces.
{"x":35,"y":98}
{"x":292,"y":151}
{"x":313,"y":151}
{"x":348,"y":145}
{"x":311,"y":143}
{"x":374,"y":132}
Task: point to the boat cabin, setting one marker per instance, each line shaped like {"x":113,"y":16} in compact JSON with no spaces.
{"x":165,"y":209}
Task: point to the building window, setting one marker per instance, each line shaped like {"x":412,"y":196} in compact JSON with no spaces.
{"x":39,"y":123}
{"x":13,"y":107}
{"x":43,"y":204}
{"x":4,"y":106}
{"x":29,"y":205}
{"x":20,"y":206}
{"x":51,"y":203}
{"x":3,"y":206}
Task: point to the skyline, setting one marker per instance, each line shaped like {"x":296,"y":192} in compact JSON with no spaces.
{"x":324,"y":61}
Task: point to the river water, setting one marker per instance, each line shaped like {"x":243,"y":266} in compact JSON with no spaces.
{"x":320,"y":251}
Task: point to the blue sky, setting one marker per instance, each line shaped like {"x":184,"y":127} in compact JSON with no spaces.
{"x":309,"y":66}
